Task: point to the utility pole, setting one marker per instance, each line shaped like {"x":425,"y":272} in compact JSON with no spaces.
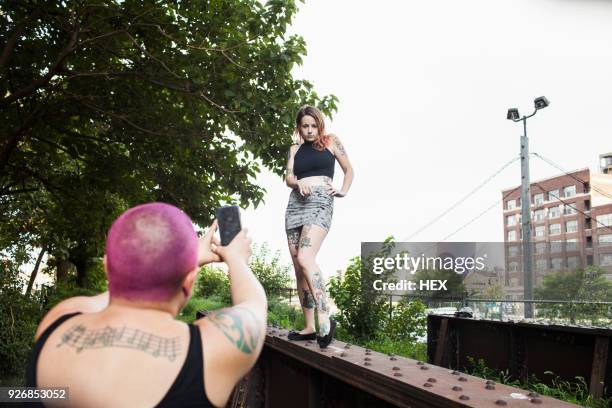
{"x":526,"y":223}
{"x":513,"y":114}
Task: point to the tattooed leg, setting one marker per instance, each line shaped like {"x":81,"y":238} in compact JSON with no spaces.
{"x":321,"y":301}
{"x":304,"y":296}
{"x":305,"y":240}
{"x":310,"y":241}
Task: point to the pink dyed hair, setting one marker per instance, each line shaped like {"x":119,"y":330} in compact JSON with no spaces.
{"x":149,"y":251}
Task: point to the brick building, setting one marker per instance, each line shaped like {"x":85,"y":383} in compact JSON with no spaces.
{"x":571,"y":225}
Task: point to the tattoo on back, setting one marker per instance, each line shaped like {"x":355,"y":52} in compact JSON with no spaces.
{"x":243,"y":333}
{"x":79,"y":337}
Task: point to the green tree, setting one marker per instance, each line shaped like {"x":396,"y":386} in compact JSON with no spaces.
{"x":361,"y":309}
{"x":107,"y":105}
{"x":588,"y":284}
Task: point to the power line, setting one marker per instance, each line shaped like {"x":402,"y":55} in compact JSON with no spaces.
{"x":558,"y":167}
{"x":481,"y":214}
{"x":575,"y":208}
{"x":452,"y":207}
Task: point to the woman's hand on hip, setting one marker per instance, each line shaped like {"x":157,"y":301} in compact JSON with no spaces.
{"x":304,"y":188}
{"x":333,"y":192}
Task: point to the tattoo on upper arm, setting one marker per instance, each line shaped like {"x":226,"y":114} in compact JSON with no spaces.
{"x":339,"y":147}
{"x":240,"y":330}
{"x":79,"y":337}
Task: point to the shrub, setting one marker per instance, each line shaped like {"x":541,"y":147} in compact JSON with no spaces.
{"x":213,"y":281}
{"x":19,"y":316}
{"x":273,"y":276}
{"x":408,"y":322}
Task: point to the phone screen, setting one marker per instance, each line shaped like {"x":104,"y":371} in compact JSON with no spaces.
{"x":228,"y":218}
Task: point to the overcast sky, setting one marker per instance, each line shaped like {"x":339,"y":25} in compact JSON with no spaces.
{"x":424,"y":87}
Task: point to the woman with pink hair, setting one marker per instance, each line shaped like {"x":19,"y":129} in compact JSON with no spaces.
{"x":310,"y":172}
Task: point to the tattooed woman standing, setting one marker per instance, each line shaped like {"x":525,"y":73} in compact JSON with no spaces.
{"x":310,"y":171}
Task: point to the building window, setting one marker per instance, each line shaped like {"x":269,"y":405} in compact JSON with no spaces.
{"x":554,"y":229}
{"x":604,"y":220}
{"x":541,"y":264}
{"x":573,"y":262}
{"x":510,"y":204}
{"x":512,"y":235}
{"x":540,"y":231}
{"x":557,"y":264}
{"x":571,"y":226}
{"x":571,"y":244}
{"x":554,"y":212}
{"x":605,"y":260}
{"x":605,"y":239}
{"x":569,"y":191}
{"x":513,"y":267}
{"x":553,"y":195}
{"x":514,"y":282}
{"x":570,"y":209}
{"x":538,"y":199}
{"x":538,"y":215}
{"x":540,"y":247}
{"x":513,"y":250}
{"x":556,"y":246}
{"x":510,"y":220}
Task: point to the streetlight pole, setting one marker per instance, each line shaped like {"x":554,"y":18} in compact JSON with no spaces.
{"x":513,"y":115}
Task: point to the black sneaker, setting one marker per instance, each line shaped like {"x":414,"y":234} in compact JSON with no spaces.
{"x":295,"y":335}
{"x":325,"y":341}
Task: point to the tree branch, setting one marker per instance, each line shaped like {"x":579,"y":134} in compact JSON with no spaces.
{"x":42,"y":81}
{"x":160,"y":62}
{"x":7,"y":51}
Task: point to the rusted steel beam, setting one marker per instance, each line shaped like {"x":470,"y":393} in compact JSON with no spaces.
{"x":401,"y":381}
{"x":441,"y":342}
{"x":598,"y":371}
{"x":527,"y":349}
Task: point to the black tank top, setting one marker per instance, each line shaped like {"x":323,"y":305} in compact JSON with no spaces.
{"x":309,"y":162}
{"x":187,"y":389}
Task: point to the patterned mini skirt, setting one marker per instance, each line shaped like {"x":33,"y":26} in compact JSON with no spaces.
{"x":315,"y":209}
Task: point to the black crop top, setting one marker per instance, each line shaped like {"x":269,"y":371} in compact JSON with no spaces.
{"x":186,"y":391}
{"x":309,"y":162}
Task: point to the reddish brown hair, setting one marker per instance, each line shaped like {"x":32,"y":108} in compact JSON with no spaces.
{"x":323,"y":140}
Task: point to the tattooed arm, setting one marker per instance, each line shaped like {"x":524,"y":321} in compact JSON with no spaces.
{"x":233,"y":337}
{"x":345,"y":164}
{"x":290,"y":178}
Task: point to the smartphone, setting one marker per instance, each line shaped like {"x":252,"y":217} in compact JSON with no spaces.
{"x":228,"y":218}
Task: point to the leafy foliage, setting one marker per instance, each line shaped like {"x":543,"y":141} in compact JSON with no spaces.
{"x":273,"y":276}
{"x":213,"y":281}
{"x":408,"y":322}
{"x":362,"y":311}
{"x":108,"y":105}
{"x":19,"y":316}
{"x":589,"y":284}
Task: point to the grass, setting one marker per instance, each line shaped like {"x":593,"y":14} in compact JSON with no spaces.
{"x":576,"y":392}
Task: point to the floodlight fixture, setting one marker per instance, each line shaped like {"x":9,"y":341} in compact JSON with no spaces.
{"x":513,"y":114}
{"x":541,"y":102}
